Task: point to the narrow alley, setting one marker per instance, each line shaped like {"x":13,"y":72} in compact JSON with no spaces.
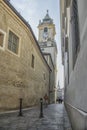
{"x":43,"y":60}
{"x":55,"y":118}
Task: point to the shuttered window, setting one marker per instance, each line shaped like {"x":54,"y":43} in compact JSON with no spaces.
{"x":75,"y":30}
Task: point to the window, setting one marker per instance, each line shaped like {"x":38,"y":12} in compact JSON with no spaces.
{"x":75,"y":30}
{"x":13,"y":42}
{"x":45,"y":29}
{"x":42,"y":49}
{"x":1,"y":39}
{"x":32,"y":62}
{"x":44,"y":76}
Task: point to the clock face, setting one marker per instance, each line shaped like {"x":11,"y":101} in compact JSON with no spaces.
{"x":45,"y":35}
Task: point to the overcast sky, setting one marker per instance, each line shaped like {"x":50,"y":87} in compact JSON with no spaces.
{"x":35,"y":10}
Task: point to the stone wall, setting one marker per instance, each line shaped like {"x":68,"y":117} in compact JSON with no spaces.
{"x":17,"y":77}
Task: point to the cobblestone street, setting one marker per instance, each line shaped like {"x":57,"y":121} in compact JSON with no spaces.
{"x":55,"y":118}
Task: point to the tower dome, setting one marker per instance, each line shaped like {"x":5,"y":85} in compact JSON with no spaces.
{"x":47,"y":19}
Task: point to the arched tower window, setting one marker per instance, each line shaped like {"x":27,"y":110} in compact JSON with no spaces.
{"x":45,"y":29}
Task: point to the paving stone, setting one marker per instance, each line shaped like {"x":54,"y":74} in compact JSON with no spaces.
{"x":55,"y":118}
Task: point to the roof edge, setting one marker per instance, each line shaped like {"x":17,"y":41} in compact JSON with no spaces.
{"x":28,"y":25}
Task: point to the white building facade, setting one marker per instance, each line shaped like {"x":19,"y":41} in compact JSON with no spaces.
{"x":48,"y":47}
{"x":74,"y":54}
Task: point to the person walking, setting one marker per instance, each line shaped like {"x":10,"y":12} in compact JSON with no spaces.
{"x":46,"y":100}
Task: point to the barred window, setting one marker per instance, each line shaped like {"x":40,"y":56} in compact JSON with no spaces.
{"x":13,"y":42}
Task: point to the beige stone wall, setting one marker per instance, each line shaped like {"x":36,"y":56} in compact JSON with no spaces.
{"x":17,"y":77}
{"x":52,"y":79}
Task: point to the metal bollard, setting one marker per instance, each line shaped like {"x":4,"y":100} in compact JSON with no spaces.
{"x":41,"y":108}
{"x":20,"y":109}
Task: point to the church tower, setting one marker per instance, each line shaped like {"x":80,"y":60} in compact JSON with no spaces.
{"x":46,"y":40}
{"x":46,"y":37}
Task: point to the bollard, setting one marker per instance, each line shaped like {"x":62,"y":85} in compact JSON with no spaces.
{"x":20,"y":109}
{"x":41,"y":108}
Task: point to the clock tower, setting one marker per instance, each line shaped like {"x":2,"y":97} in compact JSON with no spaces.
{"x":46,"y":37}
{"x":46,"y":40}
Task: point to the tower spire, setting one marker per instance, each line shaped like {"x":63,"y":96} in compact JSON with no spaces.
{"x":47,"y":11}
